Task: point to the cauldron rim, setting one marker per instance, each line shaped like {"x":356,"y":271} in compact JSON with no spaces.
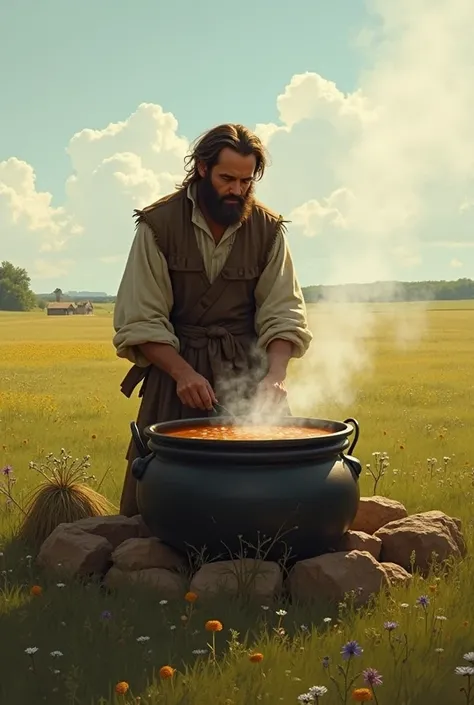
{"x":157,"y":434}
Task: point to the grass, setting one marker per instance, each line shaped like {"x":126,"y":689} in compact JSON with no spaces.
{"x":59,"y":388}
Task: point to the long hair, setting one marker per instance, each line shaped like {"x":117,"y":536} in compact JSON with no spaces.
{"x":207,"y":147}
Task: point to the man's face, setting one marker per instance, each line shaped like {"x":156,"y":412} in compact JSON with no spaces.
{"x":227,"y":191}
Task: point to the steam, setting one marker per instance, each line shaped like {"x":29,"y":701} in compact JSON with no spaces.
{"x":416,"y":148}
{"x":410,"y":158}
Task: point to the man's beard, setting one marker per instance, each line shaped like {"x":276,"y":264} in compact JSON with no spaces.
{"x":221,"y":209}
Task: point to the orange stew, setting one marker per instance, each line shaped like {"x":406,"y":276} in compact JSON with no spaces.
{"x":247,"y":433}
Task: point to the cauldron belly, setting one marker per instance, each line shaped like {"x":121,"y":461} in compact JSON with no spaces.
{"x":308,"y":507}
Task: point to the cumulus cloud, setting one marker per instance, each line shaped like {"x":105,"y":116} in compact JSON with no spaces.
{"x":374,"y":180}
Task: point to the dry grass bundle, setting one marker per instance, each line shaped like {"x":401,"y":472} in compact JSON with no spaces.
{"x":62,"y":496}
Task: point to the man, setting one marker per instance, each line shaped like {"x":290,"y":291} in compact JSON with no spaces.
{"x":209,"y":308}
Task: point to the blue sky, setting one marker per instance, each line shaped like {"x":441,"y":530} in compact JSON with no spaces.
{"x":85,"y":64}
{"x":70,"y":66}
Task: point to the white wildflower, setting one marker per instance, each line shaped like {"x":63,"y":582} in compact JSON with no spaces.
{"x":464,"y":670}
{"x":317,"y":691}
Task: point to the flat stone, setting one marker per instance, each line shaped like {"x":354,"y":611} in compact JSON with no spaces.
{"x":396,"y":574}
{"x":139,"y":554}
{"x":261,"y":578}
{"x":167,"y":584}
{"x":115,"y":528}
{"x":374,"y":512}
{"x":422,"y":535}
{"x":72,"y":552}
{"x":332,"y":575}
{"x":360,"y":541}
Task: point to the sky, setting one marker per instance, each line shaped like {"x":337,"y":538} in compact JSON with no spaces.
{"x":365,"y":106}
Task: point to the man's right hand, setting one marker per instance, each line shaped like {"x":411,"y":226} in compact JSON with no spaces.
{"x":195,"y":391}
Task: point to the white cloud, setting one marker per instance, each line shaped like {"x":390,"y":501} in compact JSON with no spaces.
{"x":456,"y":263}
{"x":383,"y":174}
{"x":315,"y":217}
{"x":44,"y":269}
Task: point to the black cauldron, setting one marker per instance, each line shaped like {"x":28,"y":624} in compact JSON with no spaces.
{"x":261,"y":497}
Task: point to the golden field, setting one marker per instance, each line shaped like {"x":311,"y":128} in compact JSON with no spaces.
{"x":59,"y":388}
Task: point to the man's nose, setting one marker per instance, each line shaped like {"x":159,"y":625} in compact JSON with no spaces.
{"x":235,"y":188}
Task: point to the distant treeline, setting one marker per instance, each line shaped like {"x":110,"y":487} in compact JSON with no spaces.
{"x":378,"y":292}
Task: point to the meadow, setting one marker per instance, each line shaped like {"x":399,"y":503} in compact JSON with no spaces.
{"x":78,"y":645}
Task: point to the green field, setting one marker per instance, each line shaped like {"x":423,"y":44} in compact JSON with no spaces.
{"x":59,"y":388}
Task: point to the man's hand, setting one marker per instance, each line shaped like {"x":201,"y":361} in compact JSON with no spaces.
{"x":271,"y":391}
{"x":194,"y":390}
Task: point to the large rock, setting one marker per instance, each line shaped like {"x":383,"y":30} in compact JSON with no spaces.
{"x":396,"y":575}
{"x":452,"y":524}
{"x":360,"y":541}
{"x":375,"y":512}
{"x":116,"y":528}
{"x":140,"y":554}
{"x":423,"y":534}
{"x":262,"y":578}
{"x":72,"y":552}
{"x":332,"y":575}
{"x":166,"y":583}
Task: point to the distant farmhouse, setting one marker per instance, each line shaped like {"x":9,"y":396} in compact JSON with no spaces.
{"x":68,"y":308}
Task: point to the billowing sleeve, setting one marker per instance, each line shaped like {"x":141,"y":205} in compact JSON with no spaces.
{"x":144,"y":300}
{"x":281,"y":309}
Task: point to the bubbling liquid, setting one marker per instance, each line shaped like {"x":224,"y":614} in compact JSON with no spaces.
{"x":247,"y":433}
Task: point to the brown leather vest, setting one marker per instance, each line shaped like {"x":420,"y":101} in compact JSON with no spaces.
{"x":229,"y":301}
{"x":217,"y":318}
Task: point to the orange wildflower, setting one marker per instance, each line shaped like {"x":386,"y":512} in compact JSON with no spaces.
{"x":36,"y":590}
{"x":213,"y":625}
{"x":256,"y":658}
{"x":191,"y":597}
{"x":362,"y":695}
{"x":167,"y":672}
{"x":121,"y":688}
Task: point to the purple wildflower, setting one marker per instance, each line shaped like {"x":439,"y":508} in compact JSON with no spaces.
{"x":390,"y":626}
{"x":326,"y":661}
{"x":106,"y":614}
{"x":7,"y":470}
{"x":350,"y":649}
{"x":372,"y":677}
{"x":424,"y":601}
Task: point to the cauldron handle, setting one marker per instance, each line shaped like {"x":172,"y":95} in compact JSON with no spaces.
{"x":355,"y":424}
{"x":138,"y":440}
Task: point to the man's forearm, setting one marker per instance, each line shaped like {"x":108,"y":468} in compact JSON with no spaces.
{"x":279,"y":353}
{"x":166,"y":357}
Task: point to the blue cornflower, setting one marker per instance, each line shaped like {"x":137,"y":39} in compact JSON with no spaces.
{"x":350,"y":649}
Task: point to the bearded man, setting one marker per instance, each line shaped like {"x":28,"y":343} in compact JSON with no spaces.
{"x":209,"y":308}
